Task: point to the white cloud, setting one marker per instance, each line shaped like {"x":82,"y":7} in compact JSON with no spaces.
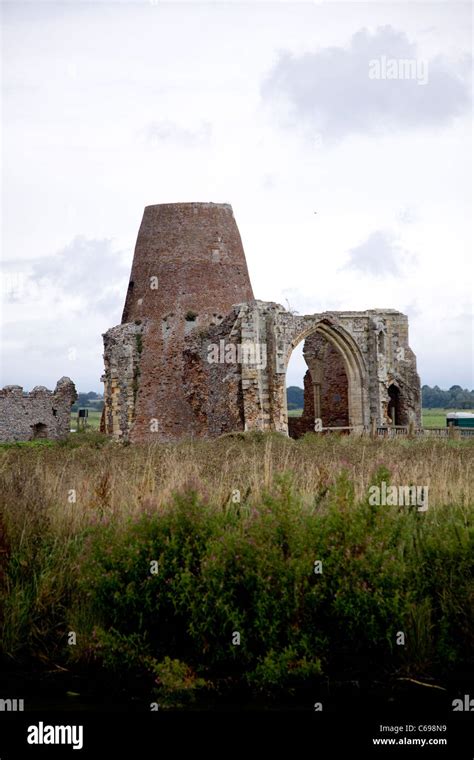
{"x":55,"y":309}
{"x":379,"y":255}
{"x":109,"y":107}
{"x":330,"y":91}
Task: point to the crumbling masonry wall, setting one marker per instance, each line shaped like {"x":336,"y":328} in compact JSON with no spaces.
{"x":197,"y":356}
{"x":188,"y":270}
{"x":329,"y":381}
{"x":298,"y":426}
{"x":123,"y":348}
{"x":325,"y":388}
{"x":39,"y":414}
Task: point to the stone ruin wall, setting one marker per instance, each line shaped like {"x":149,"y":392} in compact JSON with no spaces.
{"x":383,"y":339}
{"x":298,"y":426}
{"x":212,"y":389}
{"x":39,"y":414}
{"x":122,"y":352}
{"x":334,"y":402}
{"x":188,"y":270}
{"x":160,"y":384}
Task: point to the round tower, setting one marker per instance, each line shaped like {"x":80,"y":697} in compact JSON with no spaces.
{"x":188,"y":259}
{"x":188,"y":270}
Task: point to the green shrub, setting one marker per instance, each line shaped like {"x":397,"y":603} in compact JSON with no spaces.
{"x":283,"y":671}
{"x":176,"y":683}
{"x":222,"y":568}
{"x":250,"y":570}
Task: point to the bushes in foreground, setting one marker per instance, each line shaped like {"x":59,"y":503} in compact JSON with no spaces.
{"x":270,"y":597}
{"x":298,"y":580}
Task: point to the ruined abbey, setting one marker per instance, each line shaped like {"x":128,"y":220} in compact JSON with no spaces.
{"x":196,"y":355}
{"x":39,"y":414}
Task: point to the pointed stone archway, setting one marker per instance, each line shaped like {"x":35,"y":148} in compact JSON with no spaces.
{"x":357,"y":376}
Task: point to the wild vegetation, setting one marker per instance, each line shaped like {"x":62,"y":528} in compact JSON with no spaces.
{"x":157,"y":556}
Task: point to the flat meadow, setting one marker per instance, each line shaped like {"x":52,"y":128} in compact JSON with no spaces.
{"x":252,"y":567}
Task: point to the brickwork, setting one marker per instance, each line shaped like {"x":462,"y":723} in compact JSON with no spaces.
{"x":188,"y":270}
{"x":298,"y":426}
{"x":330,"y":381}
{"x":197,"y":356}
{"x":39,"y":414}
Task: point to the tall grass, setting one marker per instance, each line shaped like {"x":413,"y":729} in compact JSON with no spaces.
{"x":236,"y":526}
{"x":125,"y":480}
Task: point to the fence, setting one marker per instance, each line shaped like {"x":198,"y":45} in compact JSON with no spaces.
{"x":396,"y":431}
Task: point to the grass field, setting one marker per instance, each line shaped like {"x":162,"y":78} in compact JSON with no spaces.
{"x":295,"y":412}
{"x":93,"y":420}
{"x":436,"y":418}
{"x":156,"y":556}
{"x":432,"y":418}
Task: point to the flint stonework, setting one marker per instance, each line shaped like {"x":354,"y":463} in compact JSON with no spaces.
{"x":197,"y":356}
{"x":38,"y":414}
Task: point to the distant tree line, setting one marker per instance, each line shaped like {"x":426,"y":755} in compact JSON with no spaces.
{"x":455,"y":398}
{"x":432,"y":398}
{"x":294,"y":397}
{"x":89,"y":400}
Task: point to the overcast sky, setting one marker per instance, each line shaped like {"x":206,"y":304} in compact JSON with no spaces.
{"x":273,"y":107}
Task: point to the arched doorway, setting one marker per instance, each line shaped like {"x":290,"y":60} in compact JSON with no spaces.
{"x":334,"y":382}
{"x":39,"y":431}
{"x":324,"y":388}
{"x":297,"y":397}
{"x":395,"y":409}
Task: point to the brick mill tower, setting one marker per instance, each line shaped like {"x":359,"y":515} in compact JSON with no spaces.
{"x":196,"y":356}
{"x":188,"y":270}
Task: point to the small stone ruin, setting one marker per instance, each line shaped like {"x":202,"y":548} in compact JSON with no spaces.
{"x":39,"y":414}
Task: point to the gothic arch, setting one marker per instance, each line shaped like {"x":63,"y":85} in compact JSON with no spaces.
{"x":354,"y":364}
